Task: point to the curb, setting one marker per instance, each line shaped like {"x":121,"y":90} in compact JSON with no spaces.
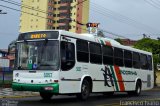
{"x":18,"y":96}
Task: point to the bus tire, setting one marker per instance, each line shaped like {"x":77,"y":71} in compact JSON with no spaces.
{"x":46,"y":96}
{"x":85,"y":90}
{"x":137,"y":91}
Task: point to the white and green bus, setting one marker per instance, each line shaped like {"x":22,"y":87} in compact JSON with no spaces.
{"x":55,"y":62}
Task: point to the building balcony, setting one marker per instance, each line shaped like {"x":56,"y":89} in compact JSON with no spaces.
{"x":66,"y":1}
{"x":65,"y":27}
{"x":62,"y":24}
{"x":64,"y":7}
{"x":50,"y":4}
{"x":65,"y":4}
{"x":49,"y":10}
{"x":64,"y":20}
{"x":64,"y":11}
{"x":49,"y":24}
{"x":50,"y":17}
{"x":64,"y":15}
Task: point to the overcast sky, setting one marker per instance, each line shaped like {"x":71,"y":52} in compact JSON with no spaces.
{"x":129,"y":18}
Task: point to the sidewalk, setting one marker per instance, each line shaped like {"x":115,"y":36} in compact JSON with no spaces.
{"x":9,"y":93}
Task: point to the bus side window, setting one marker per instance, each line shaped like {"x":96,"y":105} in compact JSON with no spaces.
{"x":136,"y":60}
{"x":82,"y":51}
{"x":67,"y":55}
{"x":149,"y":59}
{"x":118,"y":57}
{"x":128,"y":58}
{"x":143,"y":59}
{"x":95,"y":53}
{"x":107,"y":55}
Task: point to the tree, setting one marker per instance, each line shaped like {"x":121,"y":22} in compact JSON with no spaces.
{"x":118,"y":40}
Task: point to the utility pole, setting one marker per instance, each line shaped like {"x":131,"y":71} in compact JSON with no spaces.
{"x":2,"y":12}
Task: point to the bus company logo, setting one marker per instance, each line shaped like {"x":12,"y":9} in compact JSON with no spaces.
{"x":127,"y":72}
{"x":38,"y":36}
{"x":107,"y":77}
{"x":47,"y":75}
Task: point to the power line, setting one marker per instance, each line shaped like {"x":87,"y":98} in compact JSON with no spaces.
{"x":22,"y":11}
{"x":112,"y":33}
{"x":152,"y":4}
{"x":22,"y":5}
{"x":122,"y":18}
{"x":155,"y":2}
{"x":42,"y":11}
{"x":47,"y":13}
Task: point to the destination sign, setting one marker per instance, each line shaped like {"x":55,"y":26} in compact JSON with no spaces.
{"x":39,"y":35}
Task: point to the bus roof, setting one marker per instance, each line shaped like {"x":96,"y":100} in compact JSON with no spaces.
{"x":92,"y":38}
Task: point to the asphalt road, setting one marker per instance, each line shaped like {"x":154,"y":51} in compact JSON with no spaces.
{"x":148,"y":98}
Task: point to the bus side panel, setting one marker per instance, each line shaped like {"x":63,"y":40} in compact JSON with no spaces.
{"x":101,"y":81}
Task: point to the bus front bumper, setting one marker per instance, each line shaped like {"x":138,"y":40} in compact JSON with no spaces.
{"x":52,"y":88}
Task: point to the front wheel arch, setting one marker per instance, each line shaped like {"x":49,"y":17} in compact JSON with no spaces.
{"x":86,"y":89}
{"x":89,"y":79}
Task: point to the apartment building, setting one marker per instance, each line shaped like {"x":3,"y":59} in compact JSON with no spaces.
{"x":54,"y":14}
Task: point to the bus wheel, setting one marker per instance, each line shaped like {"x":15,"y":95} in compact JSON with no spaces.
{"x":85,"y":91}
{"x":46,"y":96}
{"x":137,"y":91}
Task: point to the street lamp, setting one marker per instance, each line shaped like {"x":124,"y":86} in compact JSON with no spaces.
{"x":2,"y":12}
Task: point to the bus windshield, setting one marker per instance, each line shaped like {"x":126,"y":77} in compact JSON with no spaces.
{"x":38,"y":55}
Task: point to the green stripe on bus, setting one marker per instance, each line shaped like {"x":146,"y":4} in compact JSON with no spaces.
{"x":114,"y":77}
{"x":102,"y":42}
